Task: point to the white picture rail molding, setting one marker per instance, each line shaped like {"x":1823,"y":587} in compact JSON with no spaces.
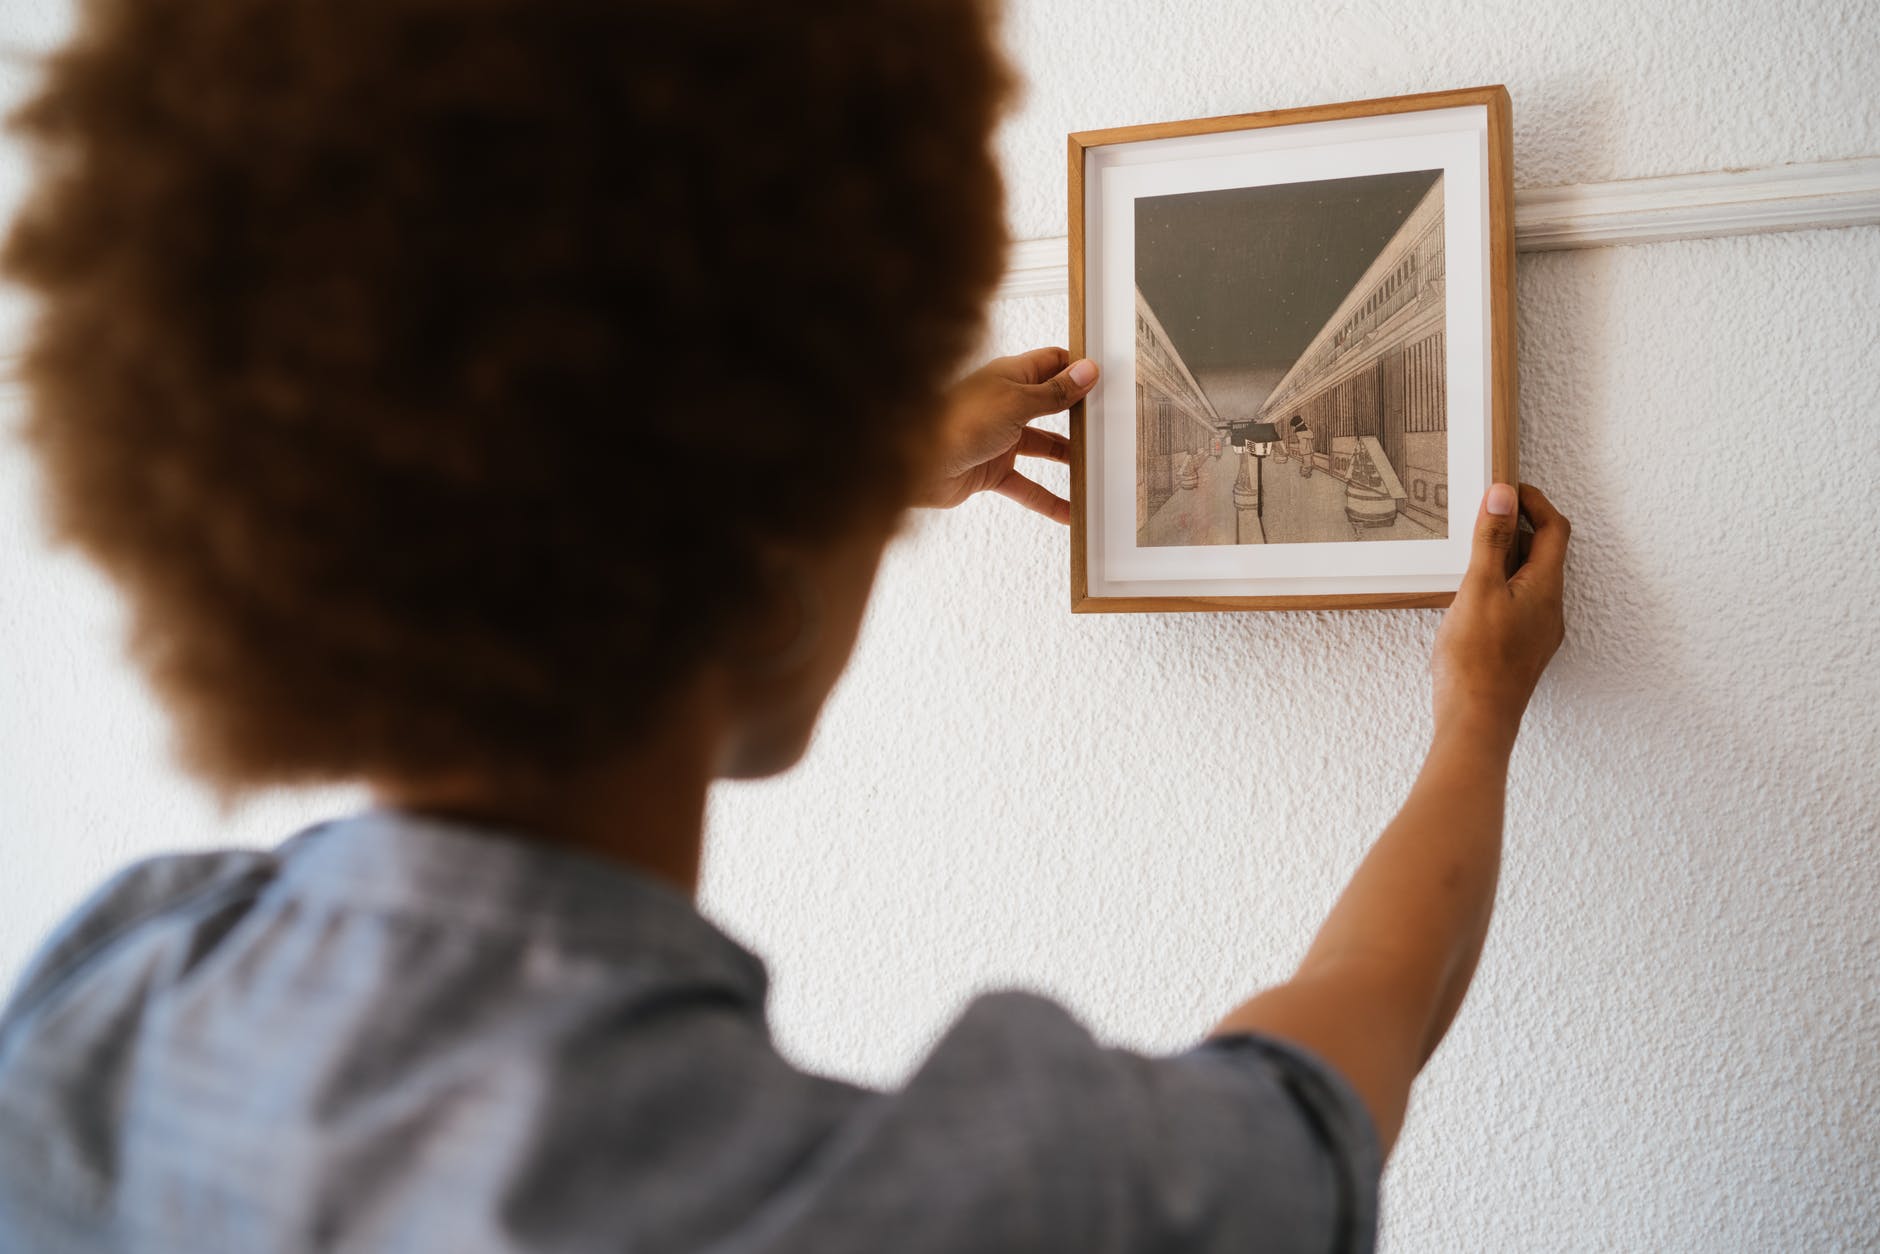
{"x":1798,"y":197}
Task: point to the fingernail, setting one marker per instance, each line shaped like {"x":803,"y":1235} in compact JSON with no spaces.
{"x":1501,"y":499}
{"x":1083,"y":371}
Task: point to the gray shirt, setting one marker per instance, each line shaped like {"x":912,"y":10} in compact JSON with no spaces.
{"x":398,"y":1034}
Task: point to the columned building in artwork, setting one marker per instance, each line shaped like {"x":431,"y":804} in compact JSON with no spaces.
{"x":1370,"y":386}
{"x":1173,"y":415}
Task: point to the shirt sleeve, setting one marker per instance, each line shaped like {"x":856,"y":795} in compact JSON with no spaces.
{"x":1021,"y":1132}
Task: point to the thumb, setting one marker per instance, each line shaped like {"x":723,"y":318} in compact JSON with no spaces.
{"x":1495,"y":526}
{"x":1061,"y":390}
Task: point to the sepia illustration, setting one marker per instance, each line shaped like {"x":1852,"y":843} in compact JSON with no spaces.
{"x":1290,"y":363}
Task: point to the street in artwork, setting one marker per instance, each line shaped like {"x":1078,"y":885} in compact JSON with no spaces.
{"x":1290,"y":363}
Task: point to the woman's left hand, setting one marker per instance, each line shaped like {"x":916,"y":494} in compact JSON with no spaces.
{"x":987,"y":427}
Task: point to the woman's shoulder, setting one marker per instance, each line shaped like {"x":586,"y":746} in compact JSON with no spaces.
{"x":168,"y":889}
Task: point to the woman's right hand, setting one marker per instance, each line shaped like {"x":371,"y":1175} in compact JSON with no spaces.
{"x":1502,"y":629}
{"x":1389,"y":967}
{"x":987,"y":425}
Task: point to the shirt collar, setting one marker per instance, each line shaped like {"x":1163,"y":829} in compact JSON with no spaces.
{"x":450,"y":871}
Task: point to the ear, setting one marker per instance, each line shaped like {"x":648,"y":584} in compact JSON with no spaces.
{"x":801,"y":608}
{"x":782,"y":629}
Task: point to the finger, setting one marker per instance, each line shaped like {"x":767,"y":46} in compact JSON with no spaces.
{"x":1060,"y":391}
{"x":1547,"y":549}
{"x":1037,"y":442}
{"x":1039,"y":364}
{"x":1495,"y":524}
{"x":1034,"y":496}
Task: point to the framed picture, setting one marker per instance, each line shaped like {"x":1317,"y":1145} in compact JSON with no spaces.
{"x":1305,"y":321}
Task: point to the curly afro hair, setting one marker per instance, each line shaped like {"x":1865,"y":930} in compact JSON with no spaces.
{"x":431,"y":373}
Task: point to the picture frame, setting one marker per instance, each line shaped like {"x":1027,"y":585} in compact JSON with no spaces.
{"x":1337,"y":299}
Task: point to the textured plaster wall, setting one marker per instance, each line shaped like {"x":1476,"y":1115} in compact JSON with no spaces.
{"x":1671,"y":1043}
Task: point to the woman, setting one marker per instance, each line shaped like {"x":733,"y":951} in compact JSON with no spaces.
{"x":505,"y":404}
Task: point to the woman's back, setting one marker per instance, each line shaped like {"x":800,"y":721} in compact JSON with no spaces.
{"x":398,"y":1034}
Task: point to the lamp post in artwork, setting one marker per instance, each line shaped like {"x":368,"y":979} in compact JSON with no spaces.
{"x":1255,"y":439}
{"x":1260,"y":450}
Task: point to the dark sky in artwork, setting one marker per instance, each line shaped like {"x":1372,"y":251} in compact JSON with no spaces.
{"x":1243,"y":278}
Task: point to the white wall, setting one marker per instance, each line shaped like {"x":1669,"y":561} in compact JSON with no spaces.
{"x":1671,"y":1044}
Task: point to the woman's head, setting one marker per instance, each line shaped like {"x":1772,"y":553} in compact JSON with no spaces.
{"x":448,"y":382}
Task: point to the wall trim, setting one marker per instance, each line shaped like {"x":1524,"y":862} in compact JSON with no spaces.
{"x":1798,"y":197}
{"x":1036,"y":267}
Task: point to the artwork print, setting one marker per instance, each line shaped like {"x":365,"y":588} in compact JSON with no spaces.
{"x":1304,"y":320}
{"x":1289,"y":348}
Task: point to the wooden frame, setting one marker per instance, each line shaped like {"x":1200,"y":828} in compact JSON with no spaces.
{"x":1499,"y":401}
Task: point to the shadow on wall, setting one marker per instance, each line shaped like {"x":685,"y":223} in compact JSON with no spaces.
{"x":1569,"y":120}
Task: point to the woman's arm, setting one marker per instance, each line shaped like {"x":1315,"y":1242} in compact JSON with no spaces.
{"x":1389,"y":966}
{"x":1388,"y":969}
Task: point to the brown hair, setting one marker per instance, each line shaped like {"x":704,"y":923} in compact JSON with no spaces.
{"x":429,"y":372}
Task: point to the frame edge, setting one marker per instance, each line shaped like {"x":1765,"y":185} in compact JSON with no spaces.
{"x":1074,"y":223}
{"x":1489,"y":94}
{"x":1504,"y":394}
{"x":1504,"y":422}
